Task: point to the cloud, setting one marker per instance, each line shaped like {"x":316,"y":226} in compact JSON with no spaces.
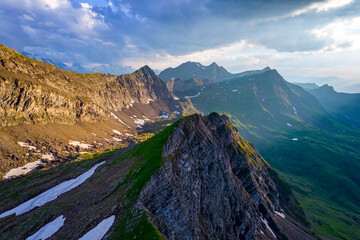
{"x":238,"y":34}
{"x":344,"y":33}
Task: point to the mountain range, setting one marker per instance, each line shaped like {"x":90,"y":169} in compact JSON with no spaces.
{"x":296,"y":131}
{"x":131,"y":157}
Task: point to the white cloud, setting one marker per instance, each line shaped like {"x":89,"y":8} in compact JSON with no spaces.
{"x":322,"y":6}
{"x":316,"y":6}
{"x":343,"y":33}
{"x":62,"y":15}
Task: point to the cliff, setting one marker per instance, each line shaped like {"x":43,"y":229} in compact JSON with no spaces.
{"x":214,"y":185}
{"x":32,"y":91}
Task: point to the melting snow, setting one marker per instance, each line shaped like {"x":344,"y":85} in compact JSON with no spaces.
{"x":139,"y":121}
{"x":77,"y":143}
{"x":164,"y":115}
{"x":176,"y":112}
{"x":295,"y":110}
{"x":118,"y":119}
{"x":48,"y":230}
{"x":100,"y":230}
{"x":294,"y":139}
{"x":193,"y":96}
{"x":177,"y":106}
{"x":23,"y":144}
{"x":22,"y":170}
{"x":117,"y":132}
{"x":268,"y":227}
{"x":280,"y":214}
{"x":149,"y":100}
{"x":47,"y":157}
{"x":51,"y":194}
{"x":289,"y":124}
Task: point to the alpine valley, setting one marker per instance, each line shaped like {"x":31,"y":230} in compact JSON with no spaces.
{"x":194,"y":153}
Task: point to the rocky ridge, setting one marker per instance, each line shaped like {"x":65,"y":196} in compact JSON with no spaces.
{"x":36,"y":92}
{"x":214,"y":185}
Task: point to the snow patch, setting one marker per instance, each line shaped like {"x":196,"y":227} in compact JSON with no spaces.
{"x":234,"y":90}
{"x":129,"y":135}
{"x":294,"y":139}
{"x":280,"y":214}
{"x":164,"y":115}
{"x":22,"y":170}
{"x":117,"y":132}
{"x":294,"y":110}
{"x":79,"y":144}
{"x":139,"y":121}
{"x":51,"y":194}
{"x":268,"y":227}
{"x":176,"y":112}
{"x":48,"y":230}
{"x":47,"y":157}
{"x":149,"y":100}
{"x":118,"y":119}
{"x":24,"y":144}
{"x":176,"y":98}
{"x":100,"y":230}
{"x":117,"y":139}
{"x":288,"y":124}
{"x":193,"y":96}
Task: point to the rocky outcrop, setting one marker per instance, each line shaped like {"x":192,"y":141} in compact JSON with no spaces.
{"x":214,"y":185}
{"x":32,"y":91}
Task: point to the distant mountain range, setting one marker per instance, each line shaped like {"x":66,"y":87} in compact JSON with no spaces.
{"x":214,"y":72}
{"x":293,"y":129}
{"x":344,"y":105}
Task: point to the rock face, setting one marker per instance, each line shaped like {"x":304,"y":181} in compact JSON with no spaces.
{"x":32,"y":91}
{"x":214,"y":185}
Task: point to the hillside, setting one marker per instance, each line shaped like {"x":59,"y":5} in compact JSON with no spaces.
{"x":50,"y":115}
{"x":135,"y":193}
{"x":344,"y":105}
{"x":316,"y":152}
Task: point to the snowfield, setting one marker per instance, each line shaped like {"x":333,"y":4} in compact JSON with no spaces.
{"x":81,"y":145}
{"x":24,"y":144}
{"x":100,"y":230}
{"x":193,"y":96}
{"x":268,"y":227}
{"x":280,"y":214}
{"x":51,"y":194}
{"x":48,"y":230}
{"x":22,"y":170}
{"x":117,"y":132}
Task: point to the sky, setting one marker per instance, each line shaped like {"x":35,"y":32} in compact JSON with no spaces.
{"x":299,"y":38}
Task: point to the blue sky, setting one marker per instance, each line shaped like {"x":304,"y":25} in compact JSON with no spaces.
{"x":299,"y":37}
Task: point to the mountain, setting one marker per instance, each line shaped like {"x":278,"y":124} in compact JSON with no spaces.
{"x":307,"y":86}
{"x":343,"y":105}
{"x":190,"y":70}
{"x":316,"y":152}
{"x":197,"y":179}
{"x":50,"y":114}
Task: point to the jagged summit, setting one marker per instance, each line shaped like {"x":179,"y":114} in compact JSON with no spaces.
{"x":189,"y":70}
